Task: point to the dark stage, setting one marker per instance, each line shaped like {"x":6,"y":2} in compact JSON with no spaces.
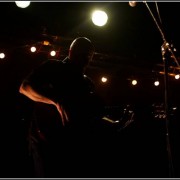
{"x":128,"y":47}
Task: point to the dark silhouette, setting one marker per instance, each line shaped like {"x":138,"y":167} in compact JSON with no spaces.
{"x":82,"y":138}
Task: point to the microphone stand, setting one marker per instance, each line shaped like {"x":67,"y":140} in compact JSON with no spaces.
{"x":165,"y":50}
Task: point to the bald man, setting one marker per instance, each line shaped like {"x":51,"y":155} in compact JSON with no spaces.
{"x":64,"y":84}
{"x":77,"y":151}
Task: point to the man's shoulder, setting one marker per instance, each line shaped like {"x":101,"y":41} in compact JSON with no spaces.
{"x":57,"y":62}
{"x":52,"y":61}
{"x":51,"y":64}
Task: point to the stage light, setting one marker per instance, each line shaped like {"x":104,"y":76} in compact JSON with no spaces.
{"x":99,"y":18}
{"x":22,"y":4}
{"x":46,"y":43}
{"x":2,"y":55}
{"x":177,"y":76}
{"x":104,"y":79}
{"x":33,"y":49}
{"x":132,"y":3}
{"x":134,"y":82}
{"x":53,"y":53}
{"x":156,"y":83}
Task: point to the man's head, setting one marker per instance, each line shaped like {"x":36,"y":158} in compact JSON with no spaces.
{"x":81,"y":51}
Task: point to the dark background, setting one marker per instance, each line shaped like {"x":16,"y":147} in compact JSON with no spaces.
{"x":128,"y":46}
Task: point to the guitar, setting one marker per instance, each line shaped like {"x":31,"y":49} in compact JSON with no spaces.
{"x":126,"y":117}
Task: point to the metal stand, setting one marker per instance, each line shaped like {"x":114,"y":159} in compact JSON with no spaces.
{"x":166,"y":102}
{"x":166,"y":50}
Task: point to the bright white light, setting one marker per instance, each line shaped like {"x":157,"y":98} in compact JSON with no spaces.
{"x":33,"y":49}
{"x":134,"y":82}
{"x":156,"y":83}
{"x":104,"y":79}
{"x":53,"y":53}
{"x":22,"y":4}
{"x":177,"y":76}
{"x":2,"y":55}
{"x":99,"y":18}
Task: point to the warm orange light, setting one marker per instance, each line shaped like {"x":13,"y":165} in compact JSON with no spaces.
{"x":46,"y":43}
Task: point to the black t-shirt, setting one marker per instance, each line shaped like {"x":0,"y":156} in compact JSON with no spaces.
{"x":77,"y":149}
{"x":64,"y":83}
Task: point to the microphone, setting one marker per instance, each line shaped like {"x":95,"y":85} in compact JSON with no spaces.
{"x":132,"y":3}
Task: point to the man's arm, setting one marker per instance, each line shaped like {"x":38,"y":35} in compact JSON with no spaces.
{"x":28,"y":91}
{"x":38,"y":84}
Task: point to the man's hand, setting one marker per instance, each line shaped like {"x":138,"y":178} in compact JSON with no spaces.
{"x":62,"y":113}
